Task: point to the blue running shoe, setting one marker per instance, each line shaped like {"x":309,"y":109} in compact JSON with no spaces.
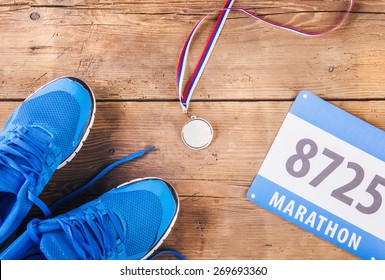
{"x":41,"y":135}
{"x":129,"y":222}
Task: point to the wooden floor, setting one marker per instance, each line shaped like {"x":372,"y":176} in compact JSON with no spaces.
{"x":127,"y":52}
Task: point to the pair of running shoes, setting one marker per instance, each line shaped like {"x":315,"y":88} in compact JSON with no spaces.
{"x":42,"y":135}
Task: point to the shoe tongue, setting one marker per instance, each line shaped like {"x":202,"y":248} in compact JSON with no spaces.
{"x":10,"y":180}
{"x":56,"y":245}
{"x":42,"y":129}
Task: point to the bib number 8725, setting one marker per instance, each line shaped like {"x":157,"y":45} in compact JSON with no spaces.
{"x":306,"y":149}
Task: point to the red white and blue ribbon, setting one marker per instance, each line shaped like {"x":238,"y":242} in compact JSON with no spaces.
{"x":185,"y":94}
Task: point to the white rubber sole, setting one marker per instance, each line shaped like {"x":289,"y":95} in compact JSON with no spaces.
{"x":90,"y":124}
{"x":165,"y":235}
{"x":85,"y":136}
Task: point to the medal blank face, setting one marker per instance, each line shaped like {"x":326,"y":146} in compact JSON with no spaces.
{"x":197,"y":134}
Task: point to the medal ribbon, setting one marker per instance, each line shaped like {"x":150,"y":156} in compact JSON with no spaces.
{"x":186,"y":93}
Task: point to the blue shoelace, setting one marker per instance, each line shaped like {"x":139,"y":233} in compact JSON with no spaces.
{"x":167,"y":252}
{"x":91,"y":236}
{"x":30,"y":153}
{"x":21,"y":151}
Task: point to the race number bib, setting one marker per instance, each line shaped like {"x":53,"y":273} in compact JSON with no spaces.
{"x":325,"y":172}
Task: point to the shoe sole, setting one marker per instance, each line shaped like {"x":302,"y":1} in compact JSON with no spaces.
{"x":90,"y":123}
{"x":176,"y":198}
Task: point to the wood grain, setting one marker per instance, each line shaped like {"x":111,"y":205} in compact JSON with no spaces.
{"x":127,"y":50}
{"x":216,"y":219}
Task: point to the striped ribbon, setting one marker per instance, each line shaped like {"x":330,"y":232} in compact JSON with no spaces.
{"x":186,"y":93}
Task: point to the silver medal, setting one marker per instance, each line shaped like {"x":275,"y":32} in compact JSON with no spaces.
{"x":197,"y":133}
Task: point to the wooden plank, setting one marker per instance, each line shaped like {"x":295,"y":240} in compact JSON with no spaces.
{"x":203,"y":6}
{"x":243,"y":134}
{"x":129,"y":51}
{"x":216,"y":220}
{"x":232,"y":229}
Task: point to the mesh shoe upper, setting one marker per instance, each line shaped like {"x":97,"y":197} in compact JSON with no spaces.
{"x":40,"y":135}
{"x":52,"y":112}
{"x":125,"y":223}
{"x":143,"y":225}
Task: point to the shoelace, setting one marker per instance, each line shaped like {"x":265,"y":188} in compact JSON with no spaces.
{"x":91,"y":235}
{"x":64,"y":199}
{"x":22,"y":152}
{"x":23,"y":145}
{"x":47,"y":211}
{"x":167,"y":252}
